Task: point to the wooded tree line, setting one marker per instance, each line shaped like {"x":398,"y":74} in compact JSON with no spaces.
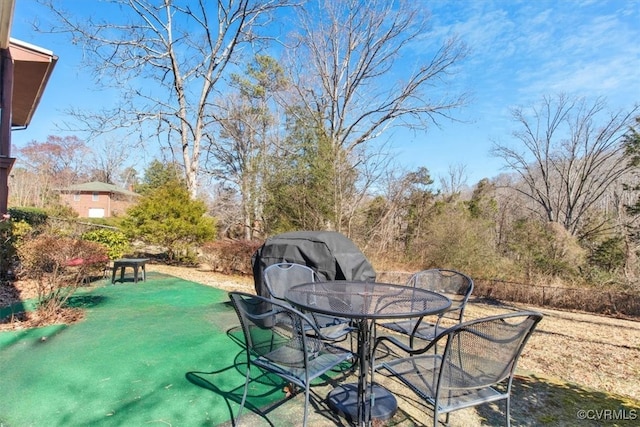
{"x":496,"y":229}
{"x":292,"y":136}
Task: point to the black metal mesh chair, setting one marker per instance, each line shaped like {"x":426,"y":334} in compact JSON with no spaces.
{"x":461,"y":367}
{"x":277,"y":341}
{"x":278,"y":278}
{"x":455,"y":285}
{"x":281,"y":276}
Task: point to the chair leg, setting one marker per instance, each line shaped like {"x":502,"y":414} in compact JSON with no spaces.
{"x":306,"y":405}
{"x":244,"y":395}
{"x":436,"y":416}
{"x":508,"y":411}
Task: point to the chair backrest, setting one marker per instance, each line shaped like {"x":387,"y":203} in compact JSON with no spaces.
{"x":442,"y":281}
{"x":485,"y":351}
{"x":277,"y":335}
{"x":454,"y":284}
{"x":281,"y":276}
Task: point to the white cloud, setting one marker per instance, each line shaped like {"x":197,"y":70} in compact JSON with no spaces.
{"x":523,"y":50}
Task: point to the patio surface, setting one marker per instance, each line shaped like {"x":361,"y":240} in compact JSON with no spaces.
{"x":167,"y":352}
{"x":126,"y":363}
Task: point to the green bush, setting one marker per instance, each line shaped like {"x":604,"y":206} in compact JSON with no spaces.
{"x":168,"y":217}
{"x":115,"y":241}
{"x":7,"y":248}
{"x":59,"y":210}
{"x":11,"y":234}
{"x":21,"y":230}
{"x":453,"y":238}
{"x":609,"y":255}
{"x":545,"y":250}
{"x":33,"y":216}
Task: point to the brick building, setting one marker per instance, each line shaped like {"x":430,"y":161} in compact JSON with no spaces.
{"x":98,"y":199}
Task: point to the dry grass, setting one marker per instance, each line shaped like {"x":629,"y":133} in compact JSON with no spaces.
{"x":597,"y":352}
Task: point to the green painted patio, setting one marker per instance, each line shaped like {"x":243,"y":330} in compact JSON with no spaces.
{"x":161,"y":352}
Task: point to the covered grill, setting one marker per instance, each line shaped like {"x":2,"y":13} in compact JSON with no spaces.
{"x":332,"y":255}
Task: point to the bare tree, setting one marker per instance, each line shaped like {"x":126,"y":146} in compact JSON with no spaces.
{"x":226,"y":208}
{"x":569,"y":153}
{"x":46,"y":166}
{"x":383,"y":223}
{"x":62,"y":159}
{"x":166,"y":58}
{"x":374,"y":166}
{"x":351,"y":69}
{"x":108,"y":162}
{"x":27,"y":188}
{"x":452,"y":184}
{"x":398,"y":215}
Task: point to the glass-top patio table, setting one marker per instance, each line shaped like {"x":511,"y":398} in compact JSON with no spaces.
{"x":365,"y":302}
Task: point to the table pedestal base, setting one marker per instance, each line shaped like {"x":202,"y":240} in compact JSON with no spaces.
{"x":344,"y":400}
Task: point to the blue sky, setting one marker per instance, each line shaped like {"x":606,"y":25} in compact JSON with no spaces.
{"x":519,"y":51}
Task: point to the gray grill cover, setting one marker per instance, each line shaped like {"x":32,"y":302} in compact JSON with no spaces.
{"x":332,"y":255}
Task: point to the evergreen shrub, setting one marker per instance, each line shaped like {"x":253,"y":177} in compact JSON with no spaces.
{"x":115,"y":241}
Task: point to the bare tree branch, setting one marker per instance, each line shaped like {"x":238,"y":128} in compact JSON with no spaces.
{"x":571,"y":153}
{"x":165,"y":59}
{"x":350,"y":68}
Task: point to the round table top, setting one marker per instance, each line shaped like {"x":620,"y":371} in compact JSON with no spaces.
{"x":366,"y":300}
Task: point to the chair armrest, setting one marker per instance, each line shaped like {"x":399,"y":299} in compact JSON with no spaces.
{"x":404,"y":347}
{"x":335,"y":333}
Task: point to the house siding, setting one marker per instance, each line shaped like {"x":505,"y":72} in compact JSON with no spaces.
{"x":105,"y":201}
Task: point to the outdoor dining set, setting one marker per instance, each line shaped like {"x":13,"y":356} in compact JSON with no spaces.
{"x":302,"y":325}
